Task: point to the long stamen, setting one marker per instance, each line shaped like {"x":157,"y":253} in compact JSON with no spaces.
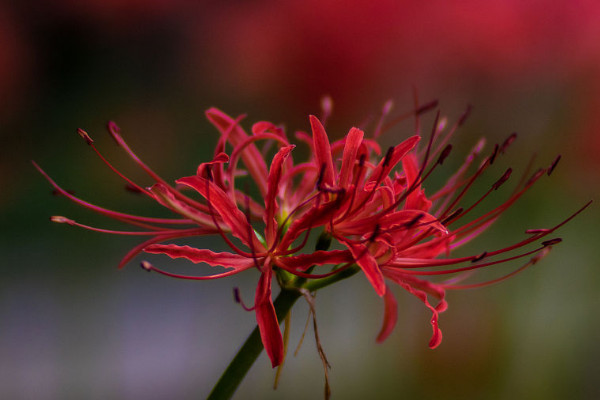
{"x":129,"y":218}
{"x":63,"y":220}
{"x":90,"y":142}
{"x":115,"y":132}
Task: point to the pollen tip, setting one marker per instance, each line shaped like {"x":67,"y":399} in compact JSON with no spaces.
{"x":60,"y":219}
{"x":326,"y":104}
{"x":146,"y":266}
{"x":85,"y":136}
{"x":387,"y":106}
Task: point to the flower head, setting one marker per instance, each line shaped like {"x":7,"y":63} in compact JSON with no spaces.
{"x":371,"y":204}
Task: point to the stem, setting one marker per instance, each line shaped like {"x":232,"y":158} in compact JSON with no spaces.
{"x":243,"y":360}
{"x":240,"y":365}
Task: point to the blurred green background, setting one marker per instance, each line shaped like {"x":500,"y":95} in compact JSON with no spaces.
{"x":73,"y":326}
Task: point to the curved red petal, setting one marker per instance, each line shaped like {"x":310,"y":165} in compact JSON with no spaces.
{"x":272,"y":191}
{"x":266,"y":319}
{"x":224,"y":259}
{"x":225,"y":208}
{"x":390,"y":315}
{"x":235,"y":135}
{"x":420,"y":289}
{"x":322,"y":150}
{"x":353,"y":142}
{"x":368,"y":264}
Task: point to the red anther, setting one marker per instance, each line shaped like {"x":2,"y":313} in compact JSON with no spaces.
{"x":502,"y":179}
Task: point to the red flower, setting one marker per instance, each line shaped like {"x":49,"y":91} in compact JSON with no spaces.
{"x":378,"y":213}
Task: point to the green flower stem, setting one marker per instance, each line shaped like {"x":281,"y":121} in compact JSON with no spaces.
{"x":240,"y":365}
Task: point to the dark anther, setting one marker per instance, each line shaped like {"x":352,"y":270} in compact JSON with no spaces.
{"x":375,"y":233}
{"x":208,"y":169}
{"x":551,"y":242}
{"x":479,"y":257}
{"x":426,"y":107}
{"x":321,"y":174}
{"x":502,"y":179}
{"x":553,"y":165}
{"x":494,"y":154}
{"x":388,"y":156}
{"x":507,"y":142}
{"x":444,"y":154}
{"x":414,"y":221}
{"x":236,"y":295}
{"x":452,"y":216}
{"x":463,"y":117}
{"x":85,"y":136}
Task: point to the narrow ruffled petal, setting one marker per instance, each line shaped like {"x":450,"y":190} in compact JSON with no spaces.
{"x":368,"y":264}
{"x":353,"y":142}
{"x":274,"y":179}
{"x":399,"y":152}
{"x":390,"y":315}
{"x":416,"y":200}
{"x":266,"y":319}
{"x":224,"y":259}
{"x":322,"y":150}
{"x":420,"y":289}
{"x":253,"y":160}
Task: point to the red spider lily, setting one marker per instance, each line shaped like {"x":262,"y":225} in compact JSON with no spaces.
{"x":377,"y":212}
